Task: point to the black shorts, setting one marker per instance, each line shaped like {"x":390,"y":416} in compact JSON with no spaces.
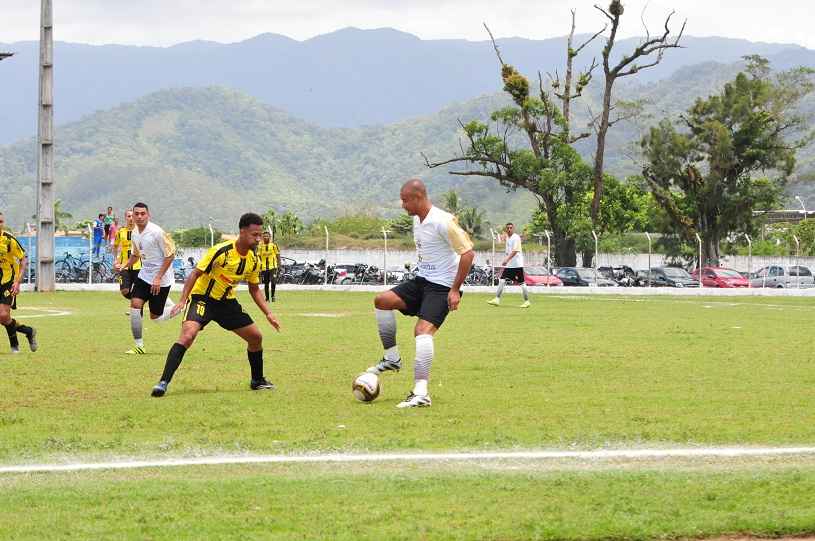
{"x":127,"y":279}
{"x":6,"y":296}
{"x":268,"y":276}
{"x":424,"y":299}
{"x":141,"y":290}
{"x":513,"y":274}
{"x":227,"y":313}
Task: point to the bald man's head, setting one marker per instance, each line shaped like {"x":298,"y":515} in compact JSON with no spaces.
{"x":415,"y":186}
{"x":414,"y":197}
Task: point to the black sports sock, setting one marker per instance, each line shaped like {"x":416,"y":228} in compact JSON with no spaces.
{"x":174,"y":358}
{"x":266,"y":289}
{"x":256,"y":363}
{"x":274,"y":286}
{"x":11,"y":329}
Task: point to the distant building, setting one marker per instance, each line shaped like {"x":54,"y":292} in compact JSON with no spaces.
{"x":778,"y":216}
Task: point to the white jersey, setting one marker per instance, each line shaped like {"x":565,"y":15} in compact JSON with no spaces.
{"x":514,"y":244}
{"x":439,"y":243}
{"x":153,"y":245}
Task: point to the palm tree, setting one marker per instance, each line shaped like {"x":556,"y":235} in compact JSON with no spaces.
{"x":472,"y":221}
{"x":59,"y":217}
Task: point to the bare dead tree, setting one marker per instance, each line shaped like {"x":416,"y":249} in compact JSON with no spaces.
{"x":651,"y":49}
{"x":543,"y":125}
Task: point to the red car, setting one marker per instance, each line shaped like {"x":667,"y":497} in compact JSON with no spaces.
{"x":539,"y":276}
{"x":721,"y":277}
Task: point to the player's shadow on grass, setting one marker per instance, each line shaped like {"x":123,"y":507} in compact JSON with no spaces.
{"x":211,"y":391}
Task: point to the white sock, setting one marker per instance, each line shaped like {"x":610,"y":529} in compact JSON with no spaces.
{"x":420,"y":387}
{"x":525,"y":292}
{"x":501,"y":284}
{"x":392,"y":354}
{"x":424,"y":360}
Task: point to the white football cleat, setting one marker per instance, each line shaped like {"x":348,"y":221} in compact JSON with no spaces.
{"x":415,"y":401}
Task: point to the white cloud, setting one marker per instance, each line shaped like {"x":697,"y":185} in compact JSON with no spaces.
{"x":161,"y":22}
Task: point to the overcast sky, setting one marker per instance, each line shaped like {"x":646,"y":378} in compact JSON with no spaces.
{"x":167,"y":22}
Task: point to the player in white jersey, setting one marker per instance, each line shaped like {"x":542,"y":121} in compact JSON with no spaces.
{"x":156,"y":250}
{"x":445,"y":255}
{"x":513,"y":267}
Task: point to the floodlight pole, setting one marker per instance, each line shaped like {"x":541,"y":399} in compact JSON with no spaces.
{"x":385,"y":258}
{"x":548,"y":256}
{"x":648,"y":236}
{"x":699,"y":241}
{"x":596,"y":256}
{"x":45,"y":153}
{"x":797,"y":268}
{"x":749,"y":259}
{"x":325,"y":277}
{"x":802,"y":206}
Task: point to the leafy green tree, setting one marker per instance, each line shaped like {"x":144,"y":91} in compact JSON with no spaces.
{"x":196,"y":237}
{"x":452,"y":202}
{"x":706,"y":177}
{"x":60,"y":217}
{"x":401,"y":225}
{"x":472,"y":221}
{"x":545,"y":163}
{"x":269,"y":219}
{"x":289,"y":225}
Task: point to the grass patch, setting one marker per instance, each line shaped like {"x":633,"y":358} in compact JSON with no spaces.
{"x":582,"y":372}
{"x":302,"y":503}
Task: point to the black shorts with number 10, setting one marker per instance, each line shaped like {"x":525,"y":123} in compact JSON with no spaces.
{"x":227,"y":313}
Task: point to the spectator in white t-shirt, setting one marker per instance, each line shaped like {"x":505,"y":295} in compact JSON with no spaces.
{"x":513,"y":267}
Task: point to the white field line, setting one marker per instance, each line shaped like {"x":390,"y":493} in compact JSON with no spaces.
{"x":610,"y":454}
{"x":49,"y":312}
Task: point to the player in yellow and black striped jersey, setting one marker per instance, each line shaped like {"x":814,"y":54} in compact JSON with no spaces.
{"x":269,"y":255}
{"x":123,"y":248}
{"x":209,"y":295}
{"x":13,"y":264}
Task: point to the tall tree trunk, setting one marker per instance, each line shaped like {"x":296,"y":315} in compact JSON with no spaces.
{"x":587,"y":258}
{"x":599,"y":155}
{"x":565,"y":252}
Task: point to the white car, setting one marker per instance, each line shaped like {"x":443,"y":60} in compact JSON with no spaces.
{"x":780,"y":276}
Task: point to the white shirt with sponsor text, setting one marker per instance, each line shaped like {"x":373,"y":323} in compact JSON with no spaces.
{"x":440,"y":241}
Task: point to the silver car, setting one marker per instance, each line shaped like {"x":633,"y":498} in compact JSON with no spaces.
{"x":780,"y":276}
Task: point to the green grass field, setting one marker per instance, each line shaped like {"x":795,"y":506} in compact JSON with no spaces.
{"x":570,"y":373}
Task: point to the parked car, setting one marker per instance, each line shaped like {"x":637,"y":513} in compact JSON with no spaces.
{"x":780,"y":276}
{"x":582,"y":277}
{"x":539,"y":276}
{"x":672,"y":277}
{"x":720,"y":277}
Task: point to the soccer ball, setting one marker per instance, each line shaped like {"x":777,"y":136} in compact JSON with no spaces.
{"x":366,"y":387}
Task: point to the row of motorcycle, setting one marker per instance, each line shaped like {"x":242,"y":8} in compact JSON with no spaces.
{"x":318,"y":273}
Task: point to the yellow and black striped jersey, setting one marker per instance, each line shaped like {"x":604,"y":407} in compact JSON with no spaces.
{"x":124,"y":241}
{"x":11,"y":253}
{"x":268,"y":255}
{"x":224,"y":268}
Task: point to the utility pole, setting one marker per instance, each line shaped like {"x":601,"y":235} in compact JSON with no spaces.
{"x":45,"y":147}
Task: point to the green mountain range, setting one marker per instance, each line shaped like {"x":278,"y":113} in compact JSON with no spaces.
{"x":201,"y":155}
